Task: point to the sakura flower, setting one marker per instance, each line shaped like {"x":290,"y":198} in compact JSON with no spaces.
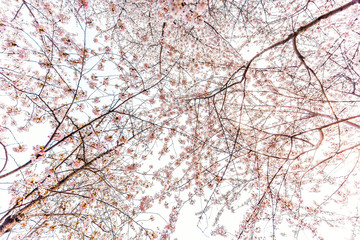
{"x":116,"y":119}
{"x":109,"y":138}
{"x":76,"y":163}
{"x":40,"y":29}
{"x":20,"y":148}
{"x":100,"y":66}
{"x":96,"y":111}
{"x":84,"y":3}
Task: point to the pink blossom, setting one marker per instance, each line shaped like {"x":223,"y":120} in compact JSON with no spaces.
{"x":40,"y":29}
{"x":96,"y":111}
{"x":100,"y":66}
{"x":84,"y":3}
{"x":116,"y":119}
{"x":76,"y":163}
{"x":109,"y":138}
{"x":20,"y":148}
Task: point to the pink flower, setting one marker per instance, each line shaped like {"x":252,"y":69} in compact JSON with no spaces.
{"x":100,"y":66}
{"x":40,"y":29}
{"x":116,"y":119}
{"x":76,"y":163}
{"x":109,"y":138}
{"x":20,"y":148}
{"x":66,"y":40}
{"x":84,"y":3}
{"x":96,"y":111}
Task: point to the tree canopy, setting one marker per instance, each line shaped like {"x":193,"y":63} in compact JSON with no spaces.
{"x":246,"y":109}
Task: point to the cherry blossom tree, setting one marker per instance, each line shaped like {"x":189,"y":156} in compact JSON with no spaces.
{"x":247,"y":110}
